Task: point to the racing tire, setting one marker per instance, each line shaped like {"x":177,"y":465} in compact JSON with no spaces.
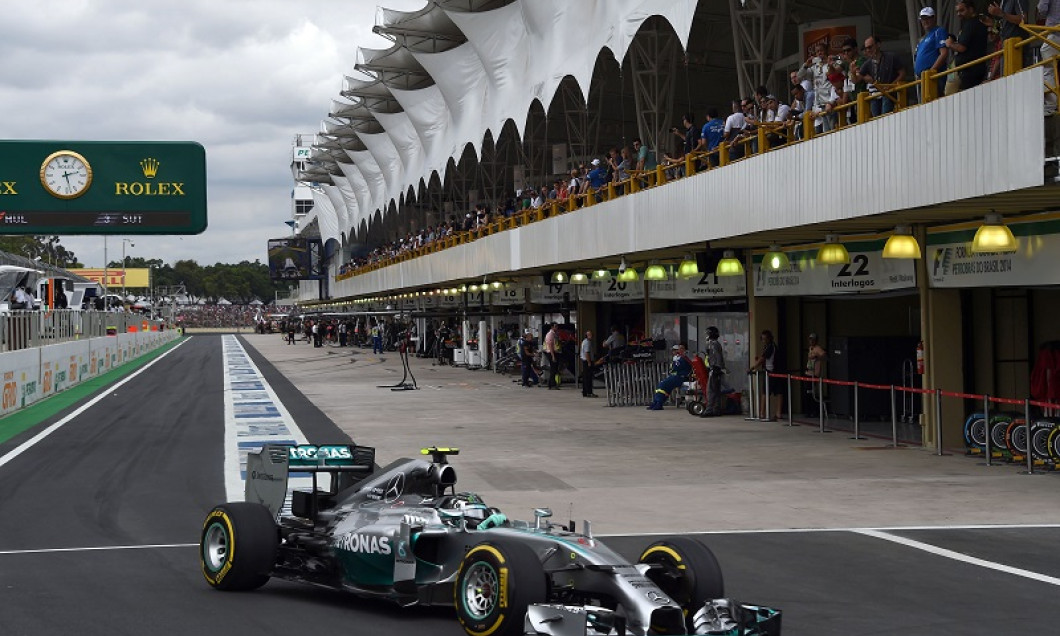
{"x":1053,"y":445}
{"x":689,"y":573}
{"x":697,"y":408}
{"x":1040,"y":439}
{"x":238,"y":546}
{"x":1016,"y":437}
{"x":975,"y":431}
{"x":998,"y":426}
{"x":495,"y":584}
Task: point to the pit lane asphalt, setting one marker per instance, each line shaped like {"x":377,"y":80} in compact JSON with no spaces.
{"x":141,"y":468}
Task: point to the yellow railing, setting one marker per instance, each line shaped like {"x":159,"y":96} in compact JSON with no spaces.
{"x":765,"y":137}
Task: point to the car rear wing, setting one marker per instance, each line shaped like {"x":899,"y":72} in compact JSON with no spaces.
{"x":268,"y":469}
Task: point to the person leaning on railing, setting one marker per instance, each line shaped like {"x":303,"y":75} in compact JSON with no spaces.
{"x":970,"y":45}
{"x":931,"y":52}
{"x":881,"y":72}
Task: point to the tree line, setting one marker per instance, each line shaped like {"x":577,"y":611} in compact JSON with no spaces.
{"x":239,"y":283}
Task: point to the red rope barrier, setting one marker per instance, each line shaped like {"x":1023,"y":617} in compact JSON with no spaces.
{"x":909,"y":389}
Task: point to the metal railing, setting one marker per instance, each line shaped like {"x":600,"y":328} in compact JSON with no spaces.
{"x":765,"y":137}
{"x":633,"y":383}
{"x":31,"y":329}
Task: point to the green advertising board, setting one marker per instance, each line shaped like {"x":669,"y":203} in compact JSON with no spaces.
{"x":102,"y":187}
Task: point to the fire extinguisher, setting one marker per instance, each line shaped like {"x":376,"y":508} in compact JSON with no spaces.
{"x":920,"y":357}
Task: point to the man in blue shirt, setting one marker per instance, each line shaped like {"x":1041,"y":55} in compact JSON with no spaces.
{"x":713,"y":134}
{"x":596,"y":178}
{"x":931,"y":52}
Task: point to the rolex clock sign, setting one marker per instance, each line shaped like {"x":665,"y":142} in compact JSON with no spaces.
{"x":102,"y":187}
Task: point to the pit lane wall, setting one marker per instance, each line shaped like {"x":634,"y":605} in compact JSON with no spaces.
{"x":30,"y":375}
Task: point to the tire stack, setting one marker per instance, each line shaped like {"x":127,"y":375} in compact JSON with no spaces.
{"x":1008,"y":438}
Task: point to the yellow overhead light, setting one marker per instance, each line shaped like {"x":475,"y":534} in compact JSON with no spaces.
{"x":559,"y":277}
{"x":902,"y":244}
{"x":473,"y":288}
{"x":463,"y":289}
{"x":688,"y":268}
{"x":994,"y":236}
{"x":497,"y":284}
{"x":578,"y":278}
{"x":832,"y":252}
{"x":601,"y":274}
{"x":775,"y":259}
{"x":655,"y":272}
{"x":729,"y":265}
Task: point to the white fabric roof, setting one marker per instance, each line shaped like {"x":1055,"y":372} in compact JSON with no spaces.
{"x":513,"y":55}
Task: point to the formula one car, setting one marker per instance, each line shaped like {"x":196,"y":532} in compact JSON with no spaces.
{"x":403,"y":533}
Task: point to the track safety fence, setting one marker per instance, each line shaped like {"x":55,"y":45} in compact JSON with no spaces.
{"x":633,"y":383}
{"x":24,"y":329}
{"x":1002,"y":430}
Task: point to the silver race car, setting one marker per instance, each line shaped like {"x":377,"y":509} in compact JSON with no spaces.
{"x":404,"y":533}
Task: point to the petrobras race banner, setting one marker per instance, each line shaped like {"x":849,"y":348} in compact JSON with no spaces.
{"x":702,"y":286}
{"x":866,"y":272}
{"x":951,"y":263}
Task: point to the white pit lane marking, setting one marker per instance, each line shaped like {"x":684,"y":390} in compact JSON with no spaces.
{"x":102,"y":548}
{"x":958,"y":556}
{"x":254,"y":416}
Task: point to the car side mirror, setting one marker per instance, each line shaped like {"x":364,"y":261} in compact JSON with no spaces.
{"x":539,"y":514}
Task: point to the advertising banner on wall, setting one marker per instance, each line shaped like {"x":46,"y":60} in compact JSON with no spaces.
{"x":951,"y":263}
{"x":832,"y":33}
{"x":135,"y":277}
{"x":866,"y":272}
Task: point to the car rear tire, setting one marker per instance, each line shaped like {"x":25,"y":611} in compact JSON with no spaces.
{"x":238,"y":546}
{"x":689,"y":573}
{"x":494,"y":586}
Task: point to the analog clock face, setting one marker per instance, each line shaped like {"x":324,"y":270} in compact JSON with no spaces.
{"x":66,"y":174}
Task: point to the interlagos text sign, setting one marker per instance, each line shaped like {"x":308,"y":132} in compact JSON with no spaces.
{"x":100,"y":187}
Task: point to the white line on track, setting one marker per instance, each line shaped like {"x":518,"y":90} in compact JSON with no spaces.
{"x":103,"y":548}
{"x":958,"y":556}
{"x":1026,"y":526}
{"x":24,"y":446}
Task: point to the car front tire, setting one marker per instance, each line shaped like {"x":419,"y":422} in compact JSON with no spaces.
{"x":495,"y":585}
{"x":687,"y":572}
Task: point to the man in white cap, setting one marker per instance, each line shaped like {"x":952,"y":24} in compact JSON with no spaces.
{"x":931,"y":52}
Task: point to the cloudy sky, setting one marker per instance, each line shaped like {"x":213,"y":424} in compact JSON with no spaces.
{"x":241,"y":77}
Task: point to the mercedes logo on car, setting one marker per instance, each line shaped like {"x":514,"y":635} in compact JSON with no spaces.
{"x":655,"y":597}
{"x":394,"y":488}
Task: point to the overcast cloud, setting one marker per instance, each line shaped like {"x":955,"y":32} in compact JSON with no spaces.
{"x":241,"y":77}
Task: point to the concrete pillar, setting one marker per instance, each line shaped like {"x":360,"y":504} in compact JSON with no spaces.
{"x":943,"y":345}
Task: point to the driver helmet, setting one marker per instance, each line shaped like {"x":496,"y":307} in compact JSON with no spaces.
{"x":464,"y":505}
{"x":713,"y":333}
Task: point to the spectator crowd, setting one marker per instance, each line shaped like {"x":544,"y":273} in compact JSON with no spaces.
{"x":823,"y":93}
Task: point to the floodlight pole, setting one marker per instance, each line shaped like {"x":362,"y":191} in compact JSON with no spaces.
{"x":104,"y":272}
{"x":131,"y":244}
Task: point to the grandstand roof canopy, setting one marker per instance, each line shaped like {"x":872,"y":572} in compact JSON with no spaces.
{"x":462,"y":71}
